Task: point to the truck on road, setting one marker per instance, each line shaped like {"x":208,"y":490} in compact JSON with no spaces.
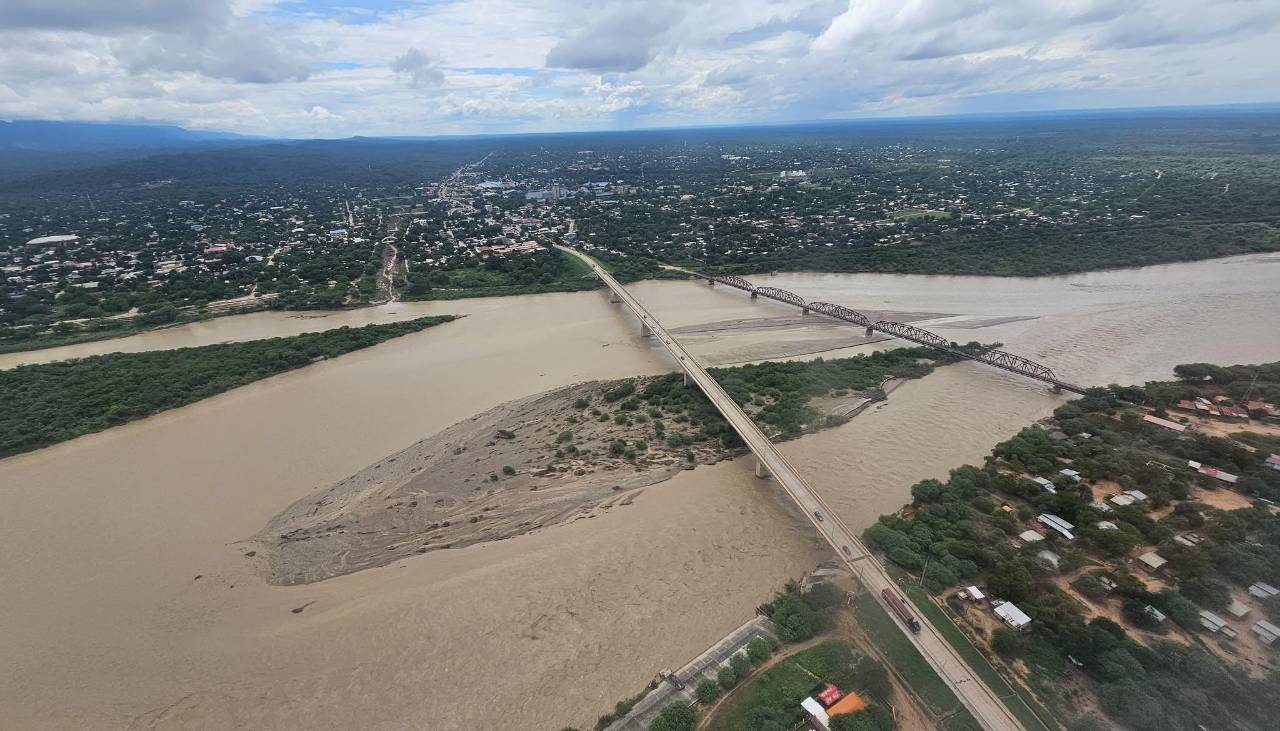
{"x":899,"y":607}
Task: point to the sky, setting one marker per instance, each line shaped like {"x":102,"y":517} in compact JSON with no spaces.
{"x":336,"y":68}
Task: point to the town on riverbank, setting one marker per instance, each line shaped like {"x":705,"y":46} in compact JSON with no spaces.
{"x":1129,"y":542}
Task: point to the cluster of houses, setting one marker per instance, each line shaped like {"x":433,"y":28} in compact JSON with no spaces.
{"x":152,"y":245}
{"x":1223,"y":407}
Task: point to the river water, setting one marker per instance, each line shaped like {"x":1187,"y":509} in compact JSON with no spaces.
{"x":104,"y":623}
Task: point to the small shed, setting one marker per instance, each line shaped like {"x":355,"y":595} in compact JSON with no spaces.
{"x":1172,"y":426}
{"x":1214,"y":623}
{"x":1154,"y":613}
{"x":816,"y":713}
{"x":1030,"y":536}
{"x":1268,"y":633}
{"x":1152,"y":561}
{"x":1262,"y":590}
{"x":1049,"y":520}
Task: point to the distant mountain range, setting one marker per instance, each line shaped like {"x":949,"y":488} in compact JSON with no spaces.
{"x":50,"y":136}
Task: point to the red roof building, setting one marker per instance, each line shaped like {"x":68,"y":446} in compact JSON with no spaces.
{"x":829,"y":696}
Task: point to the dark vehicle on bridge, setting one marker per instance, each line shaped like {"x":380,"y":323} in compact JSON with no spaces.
{"x":817,"y":515}
{"x":899,"y":607}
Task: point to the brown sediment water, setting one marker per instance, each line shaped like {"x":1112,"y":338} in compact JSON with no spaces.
{"x":103,"y":623}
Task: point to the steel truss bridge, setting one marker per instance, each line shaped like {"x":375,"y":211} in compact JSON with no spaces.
{"x":995,"y":358}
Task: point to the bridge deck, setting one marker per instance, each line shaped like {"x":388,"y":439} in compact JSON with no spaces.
{"x":981,"y":701}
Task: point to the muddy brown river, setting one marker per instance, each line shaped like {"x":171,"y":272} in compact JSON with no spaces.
{"x":128,"y":600}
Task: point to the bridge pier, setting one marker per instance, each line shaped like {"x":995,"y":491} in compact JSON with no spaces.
{"x":1055,"y":388}
{"x":804,"y":310}
{"x":711,"y":282}
{"x":644,"y":330}
{"x":753,"y":295}
{"x":762,"y":472}
{"x":686,"y":376}
{"x":869,"y":331}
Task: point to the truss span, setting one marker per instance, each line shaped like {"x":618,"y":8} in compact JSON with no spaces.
{"x":735,"y":281}
{"x":782,"y":295}
{"x":840,"y":312}
{"x":995,"y":358}
{"x":913,"y":333}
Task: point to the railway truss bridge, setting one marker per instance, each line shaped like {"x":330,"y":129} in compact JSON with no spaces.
{"x":995,"y":358}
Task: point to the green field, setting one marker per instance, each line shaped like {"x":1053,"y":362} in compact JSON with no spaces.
{"x":1026,"y":708}
{"x":784,"y":685}
{"x":934,"y":696}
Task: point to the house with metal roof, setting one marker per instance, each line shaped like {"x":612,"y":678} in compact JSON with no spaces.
{"x":1262,"y":590}
{"x":1267,"y":632}
{"x":1012,"y":615}
{"x":1214,"y":623}
{"x":1061,"y":526}
{"x":1152,"y":561}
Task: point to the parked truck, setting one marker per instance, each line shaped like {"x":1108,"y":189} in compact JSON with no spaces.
{"x":899,"y":606}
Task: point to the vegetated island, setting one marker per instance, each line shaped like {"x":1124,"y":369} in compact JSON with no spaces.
{"x":47,"y":403}
{"x":1126,"y":553}
{"x":558,"y":455}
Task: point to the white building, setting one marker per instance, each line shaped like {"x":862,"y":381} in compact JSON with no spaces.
{"x":1012,"y":615}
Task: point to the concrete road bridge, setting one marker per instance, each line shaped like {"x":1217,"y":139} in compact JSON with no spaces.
{"x":976,"y":696}
{"x":995,"y":358}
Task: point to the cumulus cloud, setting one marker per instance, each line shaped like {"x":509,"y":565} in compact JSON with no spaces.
{"x":306,"y":67}
{"x":422,"y":71}
{"x":106,"y":15}
{"x":621,"y":37}
{"x":204,"y":37}
{"x":246,"y":55}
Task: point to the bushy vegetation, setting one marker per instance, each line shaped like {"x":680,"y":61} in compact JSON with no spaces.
{"x":959,"y":531}
{"x":799,"y":615}
{"x":48,"y":403}
{"x":531,"y":273}
{"x":785,"y":388}
{"x":771,"y":701}
{"x":675,"y":717}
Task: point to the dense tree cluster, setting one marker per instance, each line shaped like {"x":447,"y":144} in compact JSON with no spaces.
{"x":47,"y":403}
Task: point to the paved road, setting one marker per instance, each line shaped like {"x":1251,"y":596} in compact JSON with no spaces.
{"x":704,"y":666}
{"x":981,"y":701}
